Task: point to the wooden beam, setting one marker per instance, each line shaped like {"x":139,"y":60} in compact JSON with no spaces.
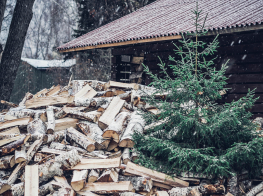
{"x":155,"y":39}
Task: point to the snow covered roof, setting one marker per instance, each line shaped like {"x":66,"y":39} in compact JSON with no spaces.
{"x":45,"y":64}
{"x":168,"y":18}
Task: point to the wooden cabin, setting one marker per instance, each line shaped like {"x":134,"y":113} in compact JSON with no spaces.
{"x":152,"y":31}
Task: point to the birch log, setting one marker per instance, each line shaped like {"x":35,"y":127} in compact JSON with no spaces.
{"x":27,"y":97}
{"x":81,"y":139}
{"x":9,"y":117}
{"x":7,"y":162}
{"x":4,"y":186}
{"x":16,"y":190}
{"x":59,"y":146}
{"x":139,"y":183}
{"x":136,"y":123}
{"x":116,"y":127}
{"x":110,"y":113}
{"x":12,"y":123}
{"x":126,"y":156}
{"x":89,"y":116}
{"x":93,"y":175}
{"x":45,"y":189}
{"x":255,"y":190}
{"x":54,"y":167}
{"x":13,"y":130}
{"x":20,"y":155}
{"x":93,"y":131}
{"x":51,"y":120}
{"x":99,"y":101}
{"x":14,"y":145}
{"x":6,"y":139}
{"x":112,"y":145}
{"x":79,"y":179}
{"x":108,"y":175}
{"x":36,"y":126}
{"x":130,"y":194}
{"x":56,"y":137}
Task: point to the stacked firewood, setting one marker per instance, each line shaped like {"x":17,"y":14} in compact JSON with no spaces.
{"x":77,"y":140}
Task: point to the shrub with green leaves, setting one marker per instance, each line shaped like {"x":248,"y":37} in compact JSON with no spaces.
{"x":196,"y":133}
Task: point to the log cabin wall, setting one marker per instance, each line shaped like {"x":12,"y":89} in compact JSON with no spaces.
{"x":244,"y":50}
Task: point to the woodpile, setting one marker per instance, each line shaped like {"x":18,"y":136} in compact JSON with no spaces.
{"x":77,"y":140}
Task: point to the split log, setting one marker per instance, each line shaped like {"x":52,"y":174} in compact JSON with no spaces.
{"x":12,"y":123}
{"x":20,"y":167}
{"x":36,"y":126}
{"x":16,"y":190}
{"x":45,"y":189}
{"x":93,"y":131}
{"x":255,"y":190}
{"x":108,"y":175}
{"x":139,"y":183}
{"x":13,"y":130}
{"x":62,"y":182}
{"x":161,"y":185}
{"x":52,"y":151}
{"x":53,"y":90}
{"x":211,"y":189}
{"x":108,"y":187}
{"x":114,"y":155}
{"x":136,"y":123}
{"x":110,"y":113}
{"x":93,"y":175}
{"x":97,"y":85}
{"x":155,"y":176}
{"x":195,"y":192}
{"x":126,"y":96}
{"x":112,"y":145}
{"x":51,"y":120}
{"x":112,"y":84}
{"x":126,"y":156}
{"x":81,"y":139}
{"x":4,"y":186}
{"x":65,"y":123}
{"x":27,"y":97}
{"x":14,"y":145}
{"x":129,"y":194}
{"x":20,"y":155}
{"x":31,"y":180}
{"x":161,"y":193}
{"x":41,"y":93}
{"x":47,"y":101}
{"x":116,"y":127}
{"x":7,"y":162}
{"x":9,"y":117}
{"x":87,"y":92}
{"x":97,"y":164}
{"x":6,"y":139}
{"x":79,"y":179}
{"x":10,"y":104}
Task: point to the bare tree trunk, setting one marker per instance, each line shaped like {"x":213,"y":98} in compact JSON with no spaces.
{"x":11,"y":57}
{"x":2,"y":11}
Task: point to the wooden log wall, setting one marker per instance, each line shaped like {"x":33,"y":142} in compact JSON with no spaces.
{"x":244,"y":50}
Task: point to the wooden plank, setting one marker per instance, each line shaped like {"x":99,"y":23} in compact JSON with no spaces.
{"x":234,"y":97}
{"x":53,"y":90}
{"x":9,"y":140}
{"x":243,"y":88}
{"x":98,"y":163}
{"x":110,"y":113}
{"x":31,"y":180}
{"x":154,"y":175}
{"x":244,"y":68}
{"x":122,"y":85}
{"x":108,"y":187}
{"x":46,"y":101}
{"x":245,"y":78}
{"x":65,"y":123}
{"x":12,"y":123}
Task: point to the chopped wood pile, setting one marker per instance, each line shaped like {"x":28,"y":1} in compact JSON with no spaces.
{"x":77,"y":140}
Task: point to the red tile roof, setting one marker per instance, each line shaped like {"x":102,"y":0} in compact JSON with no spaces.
{"x":172,"y":17}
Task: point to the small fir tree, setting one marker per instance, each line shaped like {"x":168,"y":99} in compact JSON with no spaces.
{"x":195,"y":133}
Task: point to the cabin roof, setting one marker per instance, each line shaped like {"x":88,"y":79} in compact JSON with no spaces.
{"x":168,"y":19}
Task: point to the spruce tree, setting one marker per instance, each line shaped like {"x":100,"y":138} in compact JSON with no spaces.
{"x":194,"y":132}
